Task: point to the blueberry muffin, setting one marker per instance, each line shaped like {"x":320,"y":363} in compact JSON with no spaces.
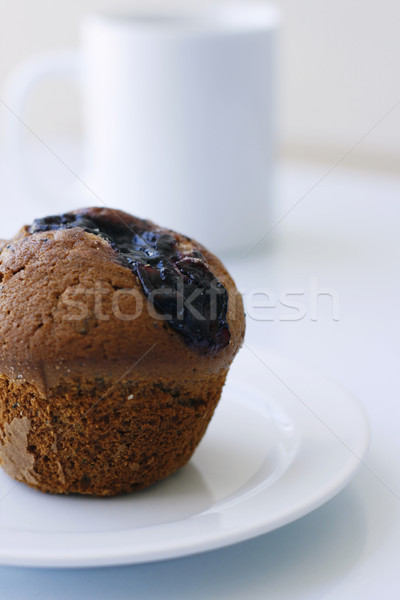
{"x":116,"y":337}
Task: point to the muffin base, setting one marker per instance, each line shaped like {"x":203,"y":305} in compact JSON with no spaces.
{"x":101,"y":437}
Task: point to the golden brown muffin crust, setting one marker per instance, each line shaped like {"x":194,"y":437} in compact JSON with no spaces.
{"x":102,"y":438}
{"x":91,"y":400}
{"x":62,"y":294}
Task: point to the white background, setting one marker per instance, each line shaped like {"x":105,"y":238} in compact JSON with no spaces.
{"x":344,"y":235}
{"x":338,"y":71}
{"x":339,"y":77}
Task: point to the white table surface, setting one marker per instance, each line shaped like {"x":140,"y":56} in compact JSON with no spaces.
{"x":344,"y":237}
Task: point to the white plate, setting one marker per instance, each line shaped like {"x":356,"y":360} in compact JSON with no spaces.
{"x":282,"y":442}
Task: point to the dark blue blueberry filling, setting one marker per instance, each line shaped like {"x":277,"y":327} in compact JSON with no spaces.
{"x":180,"y":286}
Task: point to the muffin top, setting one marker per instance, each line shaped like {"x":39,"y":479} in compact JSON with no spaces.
{"x":100,"y":293}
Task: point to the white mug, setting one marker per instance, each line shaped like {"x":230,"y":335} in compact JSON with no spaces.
{"x":179,"y":118}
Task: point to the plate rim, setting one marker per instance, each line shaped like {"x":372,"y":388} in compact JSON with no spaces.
{"x":130,"y":553}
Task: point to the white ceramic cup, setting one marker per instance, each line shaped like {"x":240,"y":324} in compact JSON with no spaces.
{"x":179,"y":117}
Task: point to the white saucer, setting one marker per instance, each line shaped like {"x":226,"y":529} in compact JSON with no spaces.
{"x":283,"y":441}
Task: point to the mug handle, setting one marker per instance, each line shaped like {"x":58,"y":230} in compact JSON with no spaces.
{"x":17,"y":92}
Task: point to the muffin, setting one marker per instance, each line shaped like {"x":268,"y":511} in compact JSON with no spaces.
{"x":116,"y":336}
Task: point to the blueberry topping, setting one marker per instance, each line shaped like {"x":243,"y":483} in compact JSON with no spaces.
{"x":180,"y":286}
